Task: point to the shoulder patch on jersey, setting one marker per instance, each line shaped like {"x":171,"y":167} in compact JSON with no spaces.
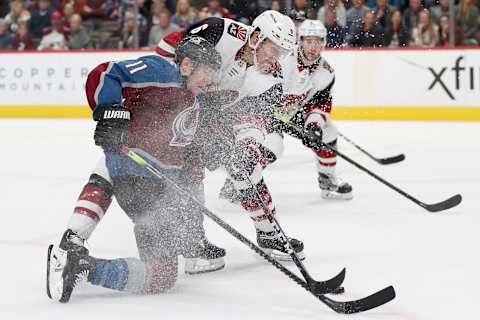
{"x":237,"y":31}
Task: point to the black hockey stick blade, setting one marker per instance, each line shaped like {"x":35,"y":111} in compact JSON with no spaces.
{"x":444,"y":205}
{"x":372,"y":301}
{"x":327,"y":286}
{"x":392,"y":160}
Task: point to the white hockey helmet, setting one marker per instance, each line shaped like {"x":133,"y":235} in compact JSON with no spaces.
{"x":313,"y":28}
{"x":276,"y":27}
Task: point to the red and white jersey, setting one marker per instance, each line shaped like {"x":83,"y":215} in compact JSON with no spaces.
{"x":229,"y":37}
{"x":309,"y":86}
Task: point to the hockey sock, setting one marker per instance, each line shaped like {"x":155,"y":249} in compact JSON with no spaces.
{"x":119,"y":274}
{"x":326,"y":159}
{"x":91,"y":206}
{"x":134,"y":276}
{"x":254,"y":206}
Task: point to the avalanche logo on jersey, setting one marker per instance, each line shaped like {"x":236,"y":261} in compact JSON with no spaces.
{"x":184,"y":126}
{"x":237,"y":31}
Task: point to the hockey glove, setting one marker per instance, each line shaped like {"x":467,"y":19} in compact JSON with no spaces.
{"x":312,"y":136}
{"x":111,"y":132}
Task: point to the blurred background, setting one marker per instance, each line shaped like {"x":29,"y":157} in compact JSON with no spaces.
{"x":394,"y":59}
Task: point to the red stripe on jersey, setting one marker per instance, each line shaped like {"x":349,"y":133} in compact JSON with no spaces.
{"x":87,"y":212}
{"x":164,"y":53}
{"x":96,"y":195}
{"x":93,"y":81}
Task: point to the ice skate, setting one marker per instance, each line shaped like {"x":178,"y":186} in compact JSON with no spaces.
{"x":333,"y":188}
{"x":67,"y":263}
{"x":211,"y":259}
{"x":270,"y":243}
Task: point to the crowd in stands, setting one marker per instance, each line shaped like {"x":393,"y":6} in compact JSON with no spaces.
{"x":92,"y":24}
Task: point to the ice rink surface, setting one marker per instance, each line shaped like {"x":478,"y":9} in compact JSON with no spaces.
{"x":432,"y":259}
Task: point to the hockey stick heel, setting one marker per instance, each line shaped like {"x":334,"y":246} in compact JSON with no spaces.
{"x":444,"y":205}
{"x":328,"y":286}
{"x":392,"y":160}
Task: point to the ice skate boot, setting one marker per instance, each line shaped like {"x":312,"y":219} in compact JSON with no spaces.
{"x":271,"y":244}
{"x":333,"y":188}
{"x":211,"y":259}
{"x":62,"y":272}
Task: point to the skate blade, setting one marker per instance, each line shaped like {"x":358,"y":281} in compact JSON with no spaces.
{"x":332,"y":195}
{"x":192,"y":265}
{"x":49,"y":252}
{"x":280,"y":256}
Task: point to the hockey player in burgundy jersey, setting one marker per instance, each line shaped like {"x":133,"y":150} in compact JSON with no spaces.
{"x":250,"y":56}
{"x":309,"y":80}
{"x":149,"y":103}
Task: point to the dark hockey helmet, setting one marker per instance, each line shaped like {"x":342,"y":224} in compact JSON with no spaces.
{"x":200,"y":51}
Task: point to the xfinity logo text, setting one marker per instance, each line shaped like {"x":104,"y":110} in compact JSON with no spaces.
{"x":458,"y":71}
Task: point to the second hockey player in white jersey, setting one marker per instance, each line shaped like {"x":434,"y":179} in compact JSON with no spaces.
{"x":308,"y":83}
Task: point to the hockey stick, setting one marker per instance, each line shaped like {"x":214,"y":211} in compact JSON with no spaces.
{"x":346,"y":307}
{"x":388,"y":160}
{"x":318,"y":287}
{"x":314,"y":285}
{"x":440,"y":206}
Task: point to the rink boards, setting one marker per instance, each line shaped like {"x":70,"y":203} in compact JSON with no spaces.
{"x":374,"y":84}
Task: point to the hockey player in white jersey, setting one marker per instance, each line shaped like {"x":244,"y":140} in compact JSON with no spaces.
{"x":250,"y":71}
{"x":308,"y":83}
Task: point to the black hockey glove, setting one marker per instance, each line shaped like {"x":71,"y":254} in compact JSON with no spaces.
{"x":111,"y":132}
{"x":312,"y":136}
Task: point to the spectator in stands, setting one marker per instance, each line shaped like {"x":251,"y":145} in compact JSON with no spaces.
{"x":128,"y":31}
{"x":68,"y":11}
{"x":384,"y":11}
{"x":215,"y":9}
{"x":335,"y":31}
{"x":410,"y":15}
{"x":444,"y":32}
{"x":185,"y":15}
{"x":369,"y":34}
{"x":40,"y":19}
{"x":4,"y":8}
{"x":202,"y":15}
{"x":100,"y":18}
{"x":355,"y":15}
{"x":468,"y":19}
{"x":161,"y":29}
{"x":337,"y":7}
{"x":439,"y":10}
{"x":262,"y":5}
{"x":79,"y":37}
{"x":301,"y":8}
{"x":396,"y":35}
{"x":276,"y":6}
{"x":297,"y":17}
{"x":22,"y":39}
{"x":18,"y":13}
{"x":55,"y":38}
{"x":425,"y":34}
{"x":5,"y":36}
